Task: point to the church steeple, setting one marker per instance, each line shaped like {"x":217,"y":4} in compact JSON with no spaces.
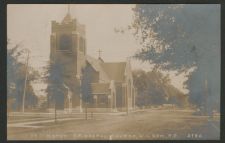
{"x":68,"y":12}
{"x":67,"y":18}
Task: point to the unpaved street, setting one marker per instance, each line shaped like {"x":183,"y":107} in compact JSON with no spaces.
{"x":140,"y":125}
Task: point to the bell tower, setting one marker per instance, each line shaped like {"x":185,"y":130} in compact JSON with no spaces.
{"x":68,"y":45}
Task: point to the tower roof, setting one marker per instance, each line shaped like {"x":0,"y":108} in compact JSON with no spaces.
{"x":67,"y":18}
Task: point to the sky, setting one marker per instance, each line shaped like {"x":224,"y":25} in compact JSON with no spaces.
{"x":30,"y":25}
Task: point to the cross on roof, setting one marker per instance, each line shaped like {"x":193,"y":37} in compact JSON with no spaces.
{"x":99,"y":53}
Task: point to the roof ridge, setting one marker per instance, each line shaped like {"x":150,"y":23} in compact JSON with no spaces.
{"x":114,"y":62}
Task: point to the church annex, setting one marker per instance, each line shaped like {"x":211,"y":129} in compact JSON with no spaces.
{"x":112,"y":87}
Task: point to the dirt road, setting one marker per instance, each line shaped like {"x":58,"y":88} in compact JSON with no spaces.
{"x":141,"y":125}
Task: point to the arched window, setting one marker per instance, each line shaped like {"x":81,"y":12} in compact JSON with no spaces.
{"x":65,"y":42}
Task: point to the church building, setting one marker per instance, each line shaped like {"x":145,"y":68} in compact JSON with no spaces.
{"x":112,"y":87}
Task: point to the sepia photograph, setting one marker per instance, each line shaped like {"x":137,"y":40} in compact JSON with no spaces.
{"x":113,"y":71}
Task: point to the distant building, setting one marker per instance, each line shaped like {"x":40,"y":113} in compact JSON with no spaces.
{"x":112,"y":87}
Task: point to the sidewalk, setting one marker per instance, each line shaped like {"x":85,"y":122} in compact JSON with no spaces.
{"x":30,"y":124}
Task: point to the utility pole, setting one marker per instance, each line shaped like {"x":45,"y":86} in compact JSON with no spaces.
{"x":86,"y":110}
{"x":127,"y":100}
{"x":206,"y":94}
{"x":55,"y":112}
{"x":25,"y":82}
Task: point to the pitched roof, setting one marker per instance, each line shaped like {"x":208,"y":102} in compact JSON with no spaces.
{"x":96,"y":64}
{"x":108,"y":70}
{"x":115,"y":71}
